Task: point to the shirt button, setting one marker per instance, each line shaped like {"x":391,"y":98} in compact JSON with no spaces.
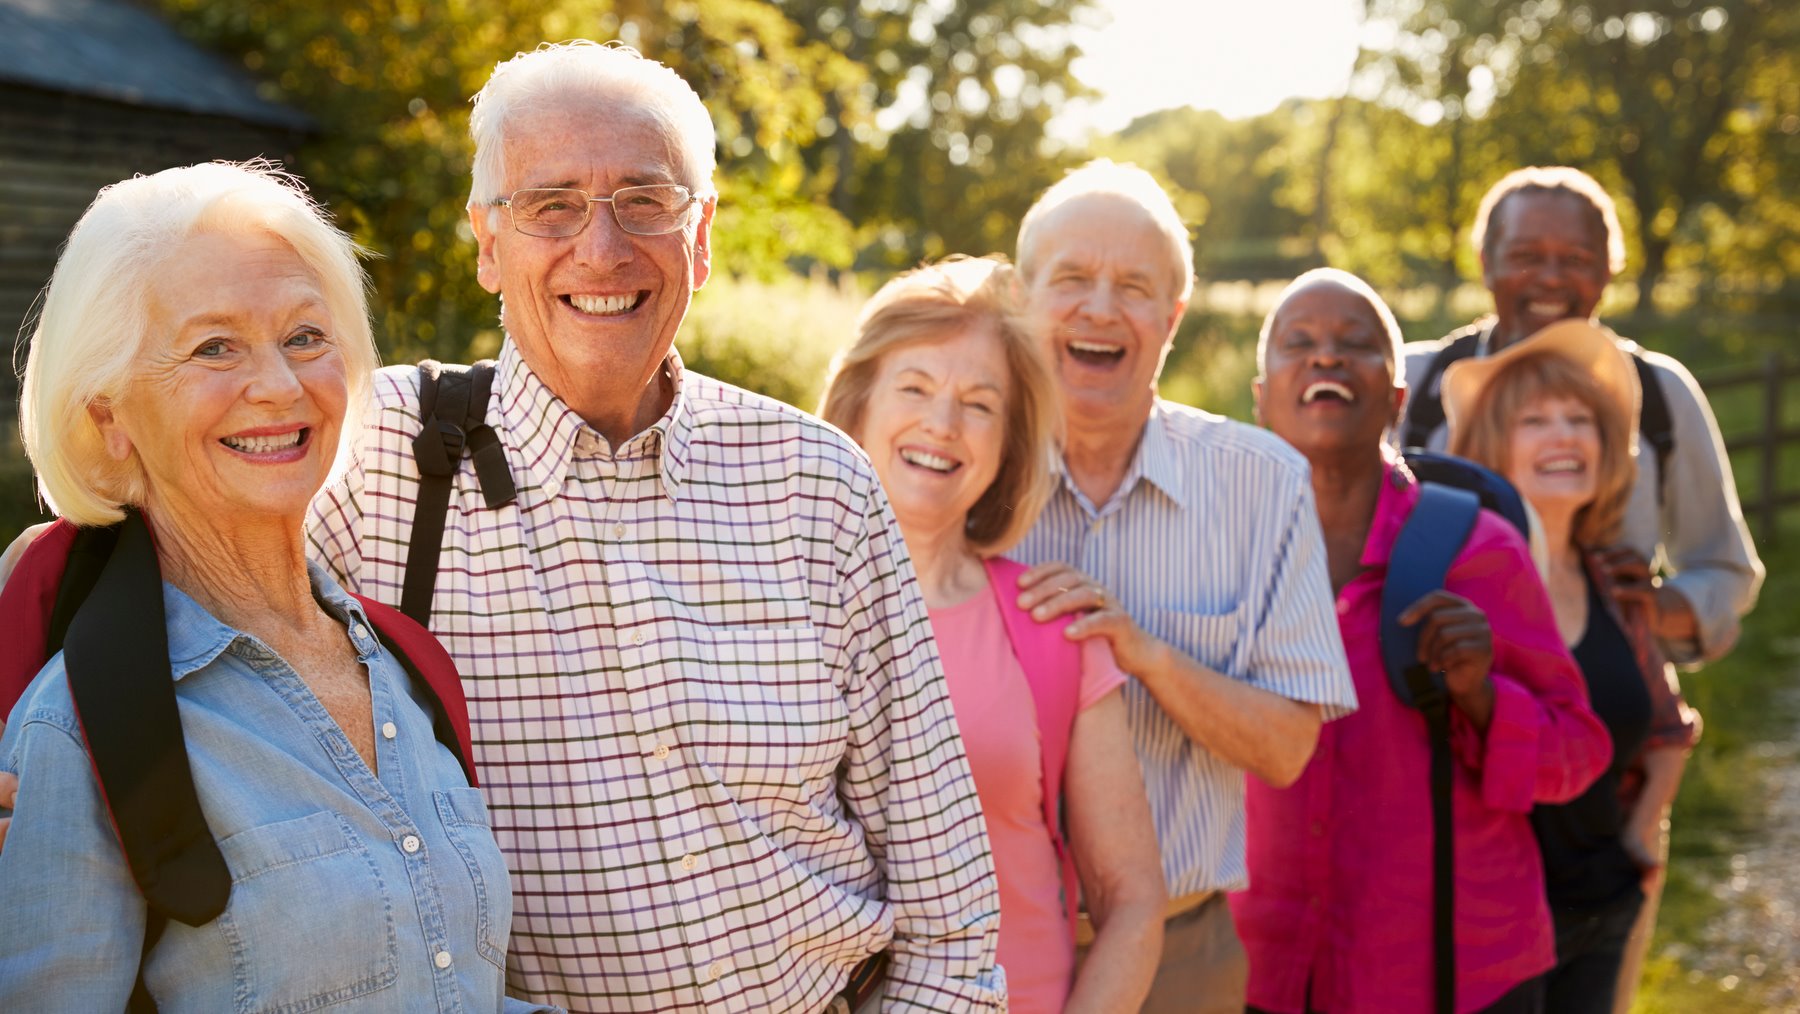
{"x":662,"y":751}
{"x":689,"y":861}
{"x":409,"y":844}
{"x":637,"y":637}
{"x":714,"y":970}
{"x":441,"y":959}
{"x":389,"y":730}
{"x":618,"y":531}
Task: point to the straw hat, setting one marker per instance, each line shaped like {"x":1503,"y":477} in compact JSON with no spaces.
{"x":1592,"y":347}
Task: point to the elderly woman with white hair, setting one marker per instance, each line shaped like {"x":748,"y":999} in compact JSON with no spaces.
{"x":1339,"y":916}
{"x":241,"y":787}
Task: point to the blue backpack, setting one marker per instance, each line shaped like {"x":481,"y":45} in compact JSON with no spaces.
{"x":1452,"y":492}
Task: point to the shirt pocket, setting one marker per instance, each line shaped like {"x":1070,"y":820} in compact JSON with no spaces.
{"x":1210,"y":639}
{"x":768,"y":712}
{"x":310,"y":922}
{"x":471,"y":833}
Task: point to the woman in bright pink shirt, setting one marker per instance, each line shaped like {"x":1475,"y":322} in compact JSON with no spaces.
{"x":1338,"y":917}
{"x":958,"y":413}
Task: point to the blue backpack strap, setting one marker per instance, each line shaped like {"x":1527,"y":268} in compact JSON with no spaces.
{"x":1496,"y":493}
{"x":1428,"y":543}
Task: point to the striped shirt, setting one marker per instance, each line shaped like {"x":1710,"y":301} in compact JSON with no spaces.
{"x":708,"y":713}
{"x":1212,"y":544}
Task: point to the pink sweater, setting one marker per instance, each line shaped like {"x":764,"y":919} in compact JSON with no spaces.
{"x":1340,"y":863}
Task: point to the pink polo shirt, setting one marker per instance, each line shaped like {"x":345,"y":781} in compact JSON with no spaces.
{"x":1341,"y":862}
{"x":998,"y":721}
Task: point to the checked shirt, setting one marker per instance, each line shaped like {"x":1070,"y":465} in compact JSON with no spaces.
{"x":708,"y":714}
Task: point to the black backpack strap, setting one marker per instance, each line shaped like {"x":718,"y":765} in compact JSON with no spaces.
{"x":140,"y":1001}
{"x":1654,"y":425}
{"x":1425,"y":403}
{"x":1434,"y":533}
{"x":116,"y":653}
{"x":452,"y":412}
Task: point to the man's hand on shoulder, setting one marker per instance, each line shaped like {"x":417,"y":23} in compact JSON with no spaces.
{"x":1050,"y":590}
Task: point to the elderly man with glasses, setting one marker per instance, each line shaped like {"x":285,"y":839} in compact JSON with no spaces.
{"x":708,"y":714}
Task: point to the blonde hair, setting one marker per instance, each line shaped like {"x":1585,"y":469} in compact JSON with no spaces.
{"x":1104,"y":176}
{"x":89,"y":335}
{"x":1486,"y":437}
{"x":937,"y":302}
{"x":585,"y":71}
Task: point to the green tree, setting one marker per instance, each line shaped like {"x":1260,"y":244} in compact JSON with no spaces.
{"x":1682,"y":108}
{"x":942,"y":146}
{"x":388,"y":82}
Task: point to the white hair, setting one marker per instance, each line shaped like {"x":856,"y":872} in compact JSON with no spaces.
{"x":1346,"y":280}
{"x":581,"y":70}
{"x":90,"y":333}
{"x":1104,"y":176}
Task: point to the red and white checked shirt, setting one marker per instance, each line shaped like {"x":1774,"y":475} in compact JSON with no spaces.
{"x":708,"y":713}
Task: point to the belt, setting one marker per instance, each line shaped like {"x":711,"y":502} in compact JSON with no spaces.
{"x":865,"y":983}
{"x":1084,"y":926}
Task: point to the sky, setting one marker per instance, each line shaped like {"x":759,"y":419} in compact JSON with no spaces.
{"x":1240,"y":57}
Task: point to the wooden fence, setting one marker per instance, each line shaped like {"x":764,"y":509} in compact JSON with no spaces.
{"x":1764,"y":500}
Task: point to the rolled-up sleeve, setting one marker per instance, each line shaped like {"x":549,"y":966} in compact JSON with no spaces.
{"x":1544,"y":744}
{"x":1706,"y":545}
{"x":906,"y":780}
{"x":1298,"y":651}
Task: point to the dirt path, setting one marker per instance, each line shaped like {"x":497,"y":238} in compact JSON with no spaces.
{"x":1754,"y":945}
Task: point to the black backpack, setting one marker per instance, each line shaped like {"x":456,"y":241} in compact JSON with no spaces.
{"x":453,"y":404}
{"x":1425,"y":406}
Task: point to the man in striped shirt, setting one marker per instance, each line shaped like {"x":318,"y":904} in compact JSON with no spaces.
{"x":1193,"y":542}
{"x":708,"y":714}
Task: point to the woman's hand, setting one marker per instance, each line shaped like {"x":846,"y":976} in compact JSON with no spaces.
{"x":1049,"y":590}
{"x":1455,"y":639}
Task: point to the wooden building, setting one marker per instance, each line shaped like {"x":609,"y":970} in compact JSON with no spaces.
{"x":94,"y":91}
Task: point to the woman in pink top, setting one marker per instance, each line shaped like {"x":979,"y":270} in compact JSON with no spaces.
{"x":1338,"y":917}
{"x":958,"y":413}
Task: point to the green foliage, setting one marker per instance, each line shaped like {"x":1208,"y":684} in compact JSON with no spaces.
{"x":389,"y":82}
{"x":1690,"y":112}
{"x":774,"y":337}
{"x":942,"y":147}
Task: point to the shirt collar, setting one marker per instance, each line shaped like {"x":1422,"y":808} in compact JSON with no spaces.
{"x":197,"y":637}
{"x":544,"y":433}
{"x":1399,"y":491}
{"x":1155,"y":461}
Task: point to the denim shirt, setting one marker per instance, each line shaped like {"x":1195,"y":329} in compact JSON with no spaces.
{"x":375,"y":891}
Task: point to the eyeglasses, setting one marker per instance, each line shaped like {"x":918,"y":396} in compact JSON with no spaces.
{"x":554,"y":212}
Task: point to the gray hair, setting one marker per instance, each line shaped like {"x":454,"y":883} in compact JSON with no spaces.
{"x":1104,"y":176}
{"x":91,"y":330}
{"x":1547,"y":180}
{"x":584,"y":70}
{"x":1346,"y":280}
